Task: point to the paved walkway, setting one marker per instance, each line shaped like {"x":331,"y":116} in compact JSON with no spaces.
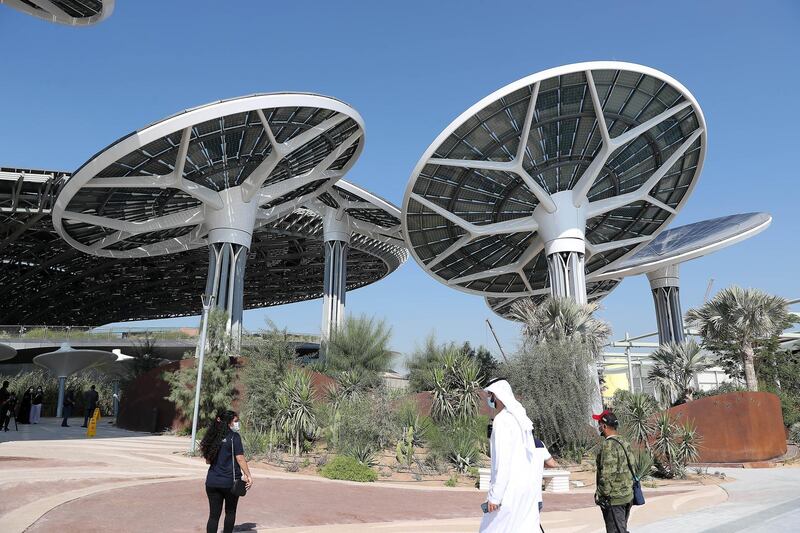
{"x":760,"y":500}
{"x":56,"y":480}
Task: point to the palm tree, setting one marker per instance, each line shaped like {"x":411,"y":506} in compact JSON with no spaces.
{"x":676,"y":365}
{"x":737,"y":319}
{"x":295,"y":400}
{"x":558,"y":319}
{"x":361,"y":346}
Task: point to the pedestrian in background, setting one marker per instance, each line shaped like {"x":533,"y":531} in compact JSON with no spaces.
{"x":24,"y":414}
{"x":614,"y":492}
{"x":66,"y":406}
{"x":36,"y":405}
{"x":222,"y":449}
{"x":90,"y":399}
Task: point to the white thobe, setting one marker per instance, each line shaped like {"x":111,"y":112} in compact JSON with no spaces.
{"x":512,"y":481}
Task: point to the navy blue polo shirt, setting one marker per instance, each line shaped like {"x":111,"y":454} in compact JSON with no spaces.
{"x":219,"y":473}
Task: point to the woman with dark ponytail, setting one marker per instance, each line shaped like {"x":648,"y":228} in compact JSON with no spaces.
{"x":222,"y":449}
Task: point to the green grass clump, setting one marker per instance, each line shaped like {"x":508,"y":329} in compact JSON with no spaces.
{"x":347,"y":468}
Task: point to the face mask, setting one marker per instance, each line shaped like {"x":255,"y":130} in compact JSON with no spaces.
{"x":235,"y":427}
{"x":491,"y":403}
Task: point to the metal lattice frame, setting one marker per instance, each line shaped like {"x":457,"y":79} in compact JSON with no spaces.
{"x":593,"y":159}
{"x":69,"y":12}
{"x":347,"y":211}
{"x":595,"y":291}
{"x":45,"y":281}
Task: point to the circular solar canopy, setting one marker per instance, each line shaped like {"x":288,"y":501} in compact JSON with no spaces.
{"x":684,"y":243}
{"x":604,"y":153}
{"x":67,"y":360}
{"x":214,"y":168}
{"x":7,"y":352}
{"x":369,"y":214}
{"x":70,"y":12}
{"x":595,"y":291}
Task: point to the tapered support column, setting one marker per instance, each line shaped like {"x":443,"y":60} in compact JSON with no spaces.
{"x":567,"y":275}
{"x":665,"y":284}
{"x":60,"y":407}
{"x":334,"y":286}
{"x":337,"y":232}
{"x":226,"y":265}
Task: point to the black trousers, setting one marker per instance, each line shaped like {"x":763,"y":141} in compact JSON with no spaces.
{"x":616,"y":517}
{"x":67,"y":412}
{"x":216,"y":496}
{"x":87,"y":414}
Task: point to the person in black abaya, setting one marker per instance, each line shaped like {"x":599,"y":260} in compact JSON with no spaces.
{"x":24,"y":413}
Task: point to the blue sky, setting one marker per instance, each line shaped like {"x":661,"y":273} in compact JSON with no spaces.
{"x":410,"y":68}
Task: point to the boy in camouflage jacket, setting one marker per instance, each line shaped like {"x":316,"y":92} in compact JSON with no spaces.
{"x":614,"y":492}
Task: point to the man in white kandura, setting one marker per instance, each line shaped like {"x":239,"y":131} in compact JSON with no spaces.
{"x":512,"y":501}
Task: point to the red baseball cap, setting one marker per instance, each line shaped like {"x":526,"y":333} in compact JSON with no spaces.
{"x":607,"y":417}
{"x":601,"y":415}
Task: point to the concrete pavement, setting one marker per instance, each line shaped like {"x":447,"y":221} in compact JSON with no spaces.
{"x":55,"y":480}
{"x":759,"y":500}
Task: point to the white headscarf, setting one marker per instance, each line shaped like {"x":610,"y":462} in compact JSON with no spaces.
{"x":502,"y":391}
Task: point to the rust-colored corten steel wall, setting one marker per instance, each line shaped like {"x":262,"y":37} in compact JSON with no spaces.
{"x":737,"y":427}
{"x":143,"y":407}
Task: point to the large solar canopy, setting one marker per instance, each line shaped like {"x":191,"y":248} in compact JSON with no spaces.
{"x":70,"y":12}
{"x":684,"y":243}
{"x":595,"y":291}
{"x":163,"y":188}
{"x":602,"y":152}
{"x":45,"y":281}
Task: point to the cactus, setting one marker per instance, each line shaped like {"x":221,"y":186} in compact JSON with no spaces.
{"x":405,"y":447}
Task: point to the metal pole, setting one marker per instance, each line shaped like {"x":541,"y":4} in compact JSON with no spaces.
{"x":497,"y":341}
{"x":207,"y":302}
{"x":116,"y":399}
{"x":630,"y":367}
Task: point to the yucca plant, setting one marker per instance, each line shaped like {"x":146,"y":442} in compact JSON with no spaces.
{"x":688,"y":448}
{"x":456,"y":387}
{"x":736,"y":319}
{"x":635,"y":412}
{"x":296,"y":415}
{"x":642,"y":463}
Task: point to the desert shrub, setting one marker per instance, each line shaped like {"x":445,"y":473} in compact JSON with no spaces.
{"x":452,"y":481}
{"x":794,"y":433}
{"x":723,"y":388}
{"x":347,"y":468}
{"x":268,"y":360}
{"x":368,"y":421}
{"x":674,"y":445}
{"x":635,"y":412}
{"x":574,"y":451}
{"x":255,"y":442}
{"x":550,"y":379}
{"x":217,"y":390}
{"x":461,"y":443}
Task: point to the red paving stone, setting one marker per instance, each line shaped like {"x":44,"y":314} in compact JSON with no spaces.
{"x":181,"y":506}
{"x":15,"y":495}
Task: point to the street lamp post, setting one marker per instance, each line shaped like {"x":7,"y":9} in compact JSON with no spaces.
{"x":208,"y":301}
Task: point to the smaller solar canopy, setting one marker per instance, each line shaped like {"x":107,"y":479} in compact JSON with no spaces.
{"x":661,"y":259}
{"x":349,"y":212}
{"x":66,"y":361}
{"x":69,"y":12}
